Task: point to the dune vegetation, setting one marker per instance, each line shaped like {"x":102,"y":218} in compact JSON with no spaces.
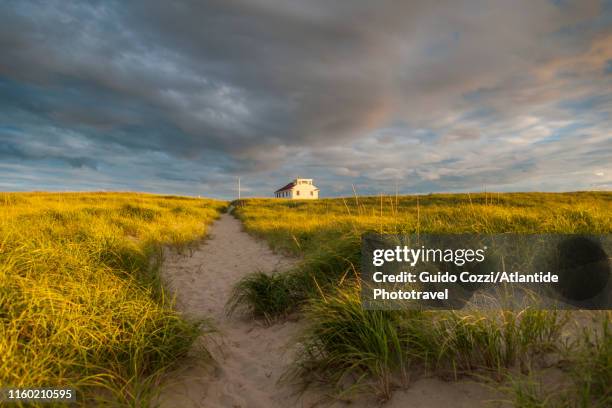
{"x":356,"y":349}
{"x":81,"y":302}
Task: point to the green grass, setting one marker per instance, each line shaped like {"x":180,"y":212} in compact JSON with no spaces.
{"x":81,"y":301}
{"x":591,"y":366}
{"x":588,"y":367}
{"x":263,"y":295}
{"x":344,"y":341}
{"x":356,"y":349}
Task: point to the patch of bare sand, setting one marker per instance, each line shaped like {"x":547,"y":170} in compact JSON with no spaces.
{"x":250,"y":357}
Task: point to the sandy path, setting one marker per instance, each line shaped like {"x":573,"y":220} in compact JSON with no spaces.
{"x":251,"y":357}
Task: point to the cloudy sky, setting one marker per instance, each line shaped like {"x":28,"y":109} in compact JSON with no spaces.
{"x":184,"y":96}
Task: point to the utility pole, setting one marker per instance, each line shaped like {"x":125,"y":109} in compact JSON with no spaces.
{"x":239,"y":188}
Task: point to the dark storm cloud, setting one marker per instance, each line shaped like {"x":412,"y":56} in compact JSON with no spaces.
{"x":195,"y":92}
{"x":228,"y":77}
{"x":10,"y":151}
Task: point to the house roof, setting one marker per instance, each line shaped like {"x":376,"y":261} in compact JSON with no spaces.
{"x":287,"y":187}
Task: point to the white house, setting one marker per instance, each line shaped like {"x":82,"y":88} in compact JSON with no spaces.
{"x":298,"y":189}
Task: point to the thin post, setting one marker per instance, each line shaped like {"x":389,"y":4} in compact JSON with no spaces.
{"x":381,"y":205}
{"x":239,"y":188}
{"x":418,"y":220}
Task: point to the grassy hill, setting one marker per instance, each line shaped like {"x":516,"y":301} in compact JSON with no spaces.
{"x":81,"y":303}
{"x":352,"y":348}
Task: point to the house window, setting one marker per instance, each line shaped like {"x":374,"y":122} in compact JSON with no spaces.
{"x":297,"y":193}
{"x":312,"y":193}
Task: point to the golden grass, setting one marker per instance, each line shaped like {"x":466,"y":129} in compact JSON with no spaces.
{"x":302,"y":226}
{"x":81,"y":303}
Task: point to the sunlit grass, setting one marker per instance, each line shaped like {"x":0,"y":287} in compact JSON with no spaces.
{"x":352,"y":348}
{"x":81,"y":302}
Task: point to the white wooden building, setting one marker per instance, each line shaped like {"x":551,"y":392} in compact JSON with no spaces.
{"x":298,"y":189}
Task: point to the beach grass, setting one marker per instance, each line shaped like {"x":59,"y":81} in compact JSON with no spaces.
{"x":355,"y":349}
{"x":82,"y":304}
